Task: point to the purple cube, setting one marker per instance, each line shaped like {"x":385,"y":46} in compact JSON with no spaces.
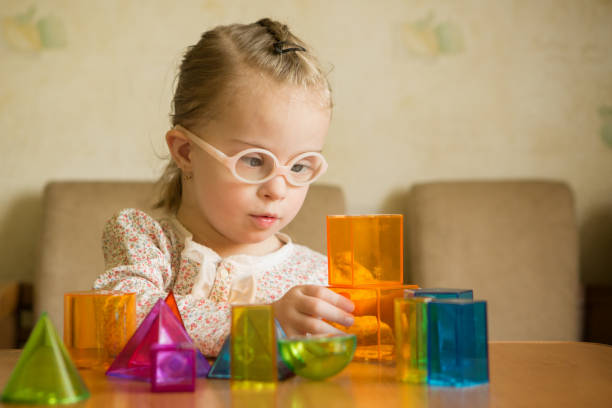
{"x":173,"y":367}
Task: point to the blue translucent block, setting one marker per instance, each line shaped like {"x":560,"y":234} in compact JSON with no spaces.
{"x":444,"y":293}
{"x":221,"y":366}
{"x":457,"y":349}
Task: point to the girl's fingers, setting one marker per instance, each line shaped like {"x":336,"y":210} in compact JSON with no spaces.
{"x":312,"y":325}
{"x":329,"y":296}
{"x":320,"y":309}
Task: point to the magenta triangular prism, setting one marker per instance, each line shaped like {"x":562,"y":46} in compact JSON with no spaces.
{"x":160,"y":326}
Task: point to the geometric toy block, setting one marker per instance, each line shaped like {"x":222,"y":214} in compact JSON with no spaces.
{"x":160,"y":326}
{"x":173,"y":367}
{"x":171,"y":301}
{"x":443,"y":293}
{"x":202,"y":364}
{"x":97,"y":325}
{"x":457,"y":342}
{"x":373,"y":319}
{"x":365,"y":250}
{"x":411,"y":339}
{"x":44,"y":373}
{"x":221,"y":368}
{"x":253,"y":344}
{"x":320,"y":356}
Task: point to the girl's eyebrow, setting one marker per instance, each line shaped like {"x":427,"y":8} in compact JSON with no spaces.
{"x":248,"y":143}
{"x":263,"y":147}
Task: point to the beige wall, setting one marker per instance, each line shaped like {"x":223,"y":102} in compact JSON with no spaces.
{"x":423,"y":90}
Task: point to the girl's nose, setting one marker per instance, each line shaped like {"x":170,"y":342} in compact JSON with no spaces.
{"x":274,"y":189}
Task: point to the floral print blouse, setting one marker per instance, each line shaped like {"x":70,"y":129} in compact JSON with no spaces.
{"x":152,"y":257}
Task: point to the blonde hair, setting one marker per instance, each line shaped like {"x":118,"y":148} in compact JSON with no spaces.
{"x":209,"y":67}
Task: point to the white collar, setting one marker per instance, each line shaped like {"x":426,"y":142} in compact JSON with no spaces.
{"x":257,"y":261}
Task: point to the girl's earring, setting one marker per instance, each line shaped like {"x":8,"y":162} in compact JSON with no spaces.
{"x":187,"y":177}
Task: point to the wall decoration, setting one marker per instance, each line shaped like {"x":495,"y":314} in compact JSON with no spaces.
{"x":427,"y":38}
{"x":26,"y":32}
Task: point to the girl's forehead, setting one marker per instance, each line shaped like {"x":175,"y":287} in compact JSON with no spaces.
{"x":272,"y":115}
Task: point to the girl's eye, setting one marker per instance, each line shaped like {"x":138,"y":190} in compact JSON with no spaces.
{"x":300,"y":168}
{"x":252,"y":161}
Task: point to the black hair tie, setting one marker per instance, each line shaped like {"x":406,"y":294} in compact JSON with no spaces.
{"x":279,"y":46}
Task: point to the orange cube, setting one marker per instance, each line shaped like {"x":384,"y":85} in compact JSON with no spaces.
{"x":365,"y":250}
{"x":374,"y":319}
{"x":97,"y":325}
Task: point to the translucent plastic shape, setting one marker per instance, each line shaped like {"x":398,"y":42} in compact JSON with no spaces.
{"x":374,"y":322}
{"x":221,"y":367}
{"x":202,"y":364}
{"x":365,"y":249}
{"x":97,"y":325}
{"x":173,"y":367}
{"x":318,"y":357}
{"x":160,"y":326}
{"x":44,"y":373}
{"x":457,"y":349}
{"x":411,"y":339}
{"x":253,"y":344}
{"x":171,"y":302}
{"x":444,"y":293}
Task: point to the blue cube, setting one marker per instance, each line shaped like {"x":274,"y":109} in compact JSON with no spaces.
{"x":444,"y":293}
{"x":457,"y":353}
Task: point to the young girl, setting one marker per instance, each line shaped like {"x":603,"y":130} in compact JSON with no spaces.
{"x":251,"y":113}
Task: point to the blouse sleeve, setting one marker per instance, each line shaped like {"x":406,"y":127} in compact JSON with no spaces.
{"x":137,"y":254}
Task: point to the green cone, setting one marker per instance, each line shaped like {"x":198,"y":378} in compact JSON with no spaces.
{"x":44,"y":373}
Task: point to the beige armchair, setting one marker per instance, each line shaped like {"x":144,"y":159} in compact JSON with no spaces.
{"x":74,"y":215}
{"x":514,"y":242}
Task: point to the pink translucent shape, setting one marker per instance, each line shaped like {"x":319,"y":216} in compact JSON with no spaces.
{"x":173,"y":367}
{"x":160,"y":326}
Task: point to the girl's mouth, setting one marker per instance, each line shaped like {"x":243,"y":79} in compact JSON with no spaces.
{"x":264,"y":220}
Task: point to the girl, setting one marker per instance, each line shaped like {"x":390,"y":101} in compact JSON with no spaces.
{"x":251,"y":113}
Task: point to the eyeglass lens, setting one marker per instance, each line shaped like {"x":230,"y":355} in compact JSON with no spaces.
{"x":255,"y":166}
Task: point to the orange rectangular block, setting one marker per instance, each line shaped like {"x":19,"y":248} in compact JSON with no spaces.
{"x":374,"y":319}
{"x":97,"y":325}
{"x":365,"y":249}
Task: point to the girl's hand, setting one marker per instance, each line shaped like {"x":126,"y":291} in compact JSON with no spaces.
{"x":303,"y":309}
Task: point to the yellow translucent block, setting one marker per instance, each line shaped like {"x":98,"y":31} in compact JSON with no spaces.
{"x":97,"y":325}
{"x":365,"y":249}
{"x":253,"y":344}
{"x":411,"y":339}
{"x":374,"y":319}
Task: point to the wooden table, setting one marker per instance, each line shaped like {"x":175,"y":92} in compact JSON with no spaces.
{"x":522,"y":374}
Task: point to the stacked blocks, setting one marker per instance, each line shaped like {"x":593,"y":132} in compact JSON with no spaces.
{"x":44,"y":373}
{"x":160,"y":327}
{"x":253,"y":344}
{"x":97,"y":325}
{"x":457,"y":342}
{"x":365,"y":261}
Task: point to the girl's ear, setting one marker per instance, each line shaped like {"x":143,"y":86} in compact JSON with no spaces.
{"x":180,"y":149}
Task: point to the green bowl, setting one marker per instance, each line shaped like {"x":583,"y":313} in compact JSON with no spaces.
{"x":318,"y":357}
